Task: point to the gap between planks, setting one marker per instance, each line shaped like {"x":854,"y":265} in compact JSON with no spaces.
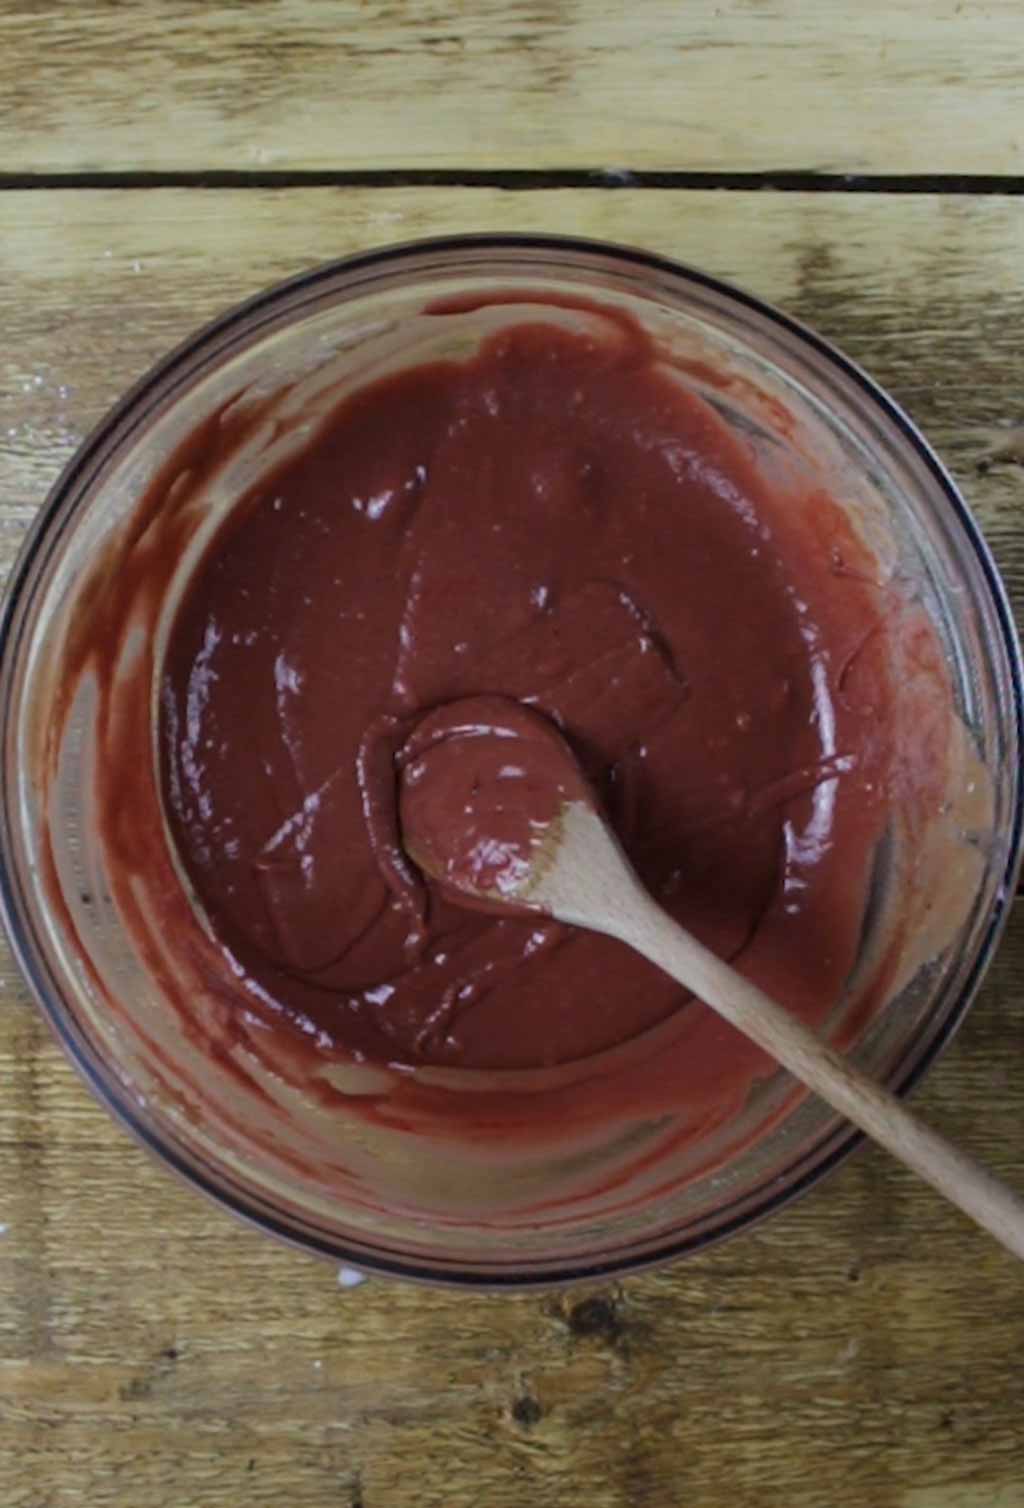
{"x":527,"y":179}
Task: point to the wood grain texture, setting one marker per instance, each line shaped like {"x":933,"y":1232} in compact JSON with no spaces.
{"x":153,"y":1354}
{"x":862,"y":1349}
{"x":920,"y":86}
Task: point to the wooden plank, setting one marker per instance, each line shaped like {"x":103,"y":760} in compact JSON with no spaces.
{"x":154,"y":1353}
{"x":924,"y":291}
{"x":876,"y":87}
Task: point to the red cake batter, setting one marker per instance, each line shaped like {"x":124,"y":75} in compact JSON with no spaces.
{"x":554,"y":520}
{"x":482,"y":785}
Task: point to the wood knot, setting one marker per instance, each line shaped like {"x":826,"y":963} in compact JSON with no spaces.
{"x":596,"y":1318}
{"x":526,"y":1411}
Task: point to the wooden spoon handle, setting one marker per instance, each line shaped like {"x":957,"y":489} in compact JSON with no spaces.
{"x":871,"y":1107}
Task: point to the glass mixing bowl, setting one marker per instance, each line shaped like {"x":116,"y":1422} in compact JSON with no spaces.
{"x":105,"y":999}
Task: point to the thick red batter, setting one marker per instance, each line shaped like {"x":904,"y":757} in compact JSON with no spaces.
{"x":553,"y":519}
{"x":482,"y":786}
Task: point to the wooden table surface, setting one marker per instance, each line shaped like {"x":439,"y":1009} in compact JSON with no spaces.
{"x":860,"y":164}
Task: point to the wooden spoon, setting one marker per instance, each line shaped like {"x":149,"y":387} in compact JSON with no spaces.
{"x":570,"y":865}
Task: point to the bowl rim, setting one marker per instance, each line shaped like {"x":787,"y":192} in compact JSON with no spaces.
{"x":103,"y":440}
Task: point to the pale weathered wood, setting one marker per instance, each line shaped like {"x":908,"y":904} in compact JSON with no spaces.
{"x":155,"y":1355}
{"x":926,"y":292}
{"x":861,"y":1350}
{"x":911,"y":86}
